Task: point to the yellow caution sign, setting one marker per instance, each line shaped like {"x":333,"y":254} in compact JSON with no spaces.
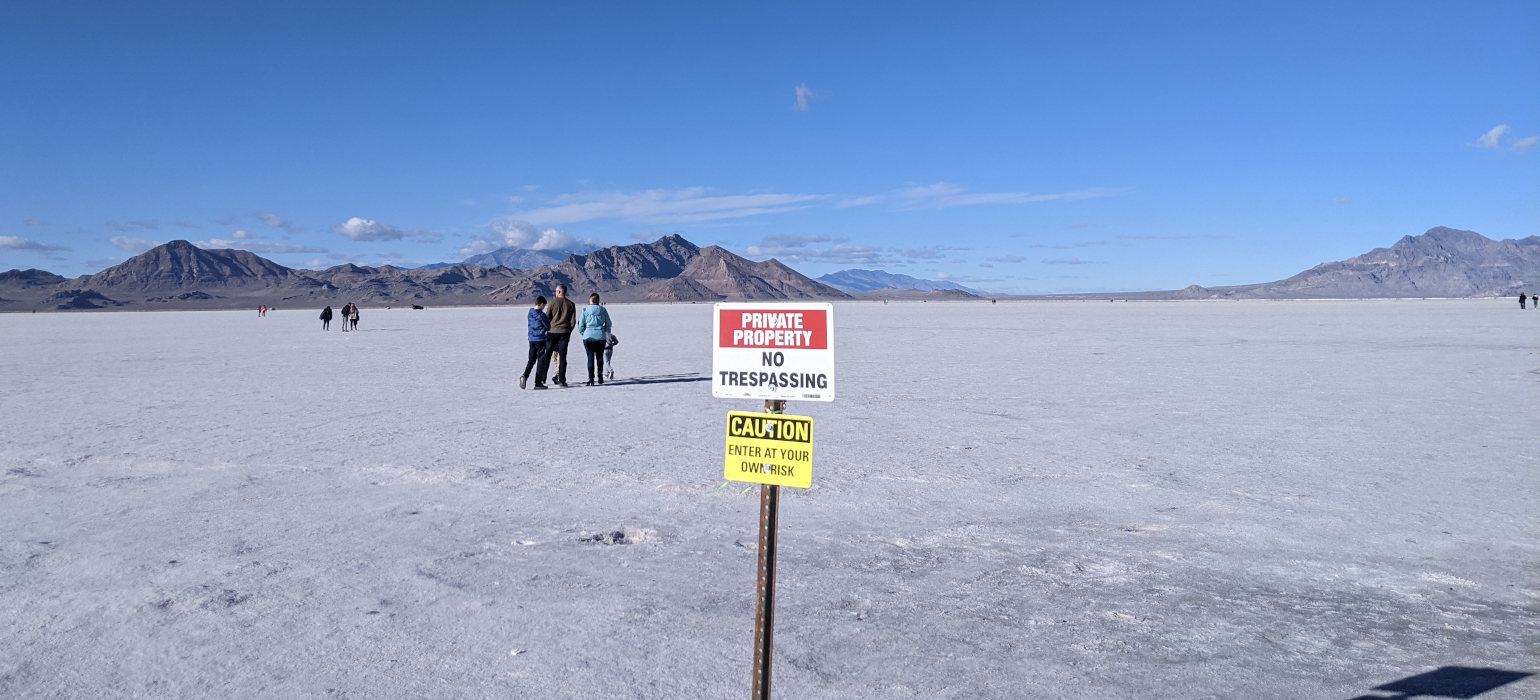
{"x":769,"y":448}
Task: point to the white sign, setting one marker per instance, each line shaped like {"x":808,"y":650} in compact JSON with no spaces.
{"x":773,"y":351}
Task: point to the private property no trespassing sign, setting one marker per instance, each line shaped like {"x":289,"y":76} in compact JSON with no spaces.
{"x":773,"y":351}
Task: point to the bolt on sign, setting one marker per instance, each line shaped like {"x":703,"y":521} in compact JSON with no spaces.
{"x":773,"y":351}
{"x":769,"y":448}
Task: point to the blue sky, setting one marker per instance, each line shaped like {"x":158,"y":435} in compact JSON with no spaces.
{"x":1011,"y":147}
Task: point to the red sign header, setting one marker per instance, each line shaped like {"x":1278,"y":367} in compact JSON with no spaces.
{"x":780,"y":329}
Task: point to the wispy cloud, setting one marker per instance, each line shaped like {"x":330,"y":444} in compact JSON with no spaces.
{"x":259,"y":247}
{"x":1339,"y":202}
{"x":359,"y":229}
{"x":919,"y":253}
{"x":1492,"y":138}
{"x":241,"y":235}
{"x":804,"y":93}
{"x":1066,"y":261}
{"x":1007,"y":259}
{"x":133,"y":226}
{"x":800,"y":248}
{"x":944,"y":195}
{"x":1149,"y":237}
{"x":690,"y":205}
{"x":27,"y":244}
{"x":1495,"y":137}
{"x":33,"y":222}
{"x":276,"y":221}
{"x":132,"y":245}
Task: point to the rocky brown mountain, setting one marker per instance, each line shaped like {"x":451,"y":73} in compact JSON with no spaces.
{"x":180,"y":265}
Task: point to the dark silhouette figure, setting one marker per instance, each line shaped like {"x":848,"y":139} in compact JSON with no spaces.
{"x":326,"y":318}
{"x":1521,"y":300}
{"x":1448,"y":682}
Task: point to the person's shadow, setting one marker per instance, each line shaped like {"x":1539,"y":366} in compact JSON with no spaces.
{"x":1447,"y":682}
{"x":661,"y":379}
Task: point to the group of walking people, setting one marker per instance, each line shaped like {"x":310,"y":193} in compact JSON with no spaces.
{"x":348,"y":316}
{"x":550,"y":332}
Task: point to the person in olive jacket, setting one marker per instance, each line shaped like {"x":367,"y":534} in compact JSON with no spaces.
{"x":594,"y":324}
{"x":563,"y":314}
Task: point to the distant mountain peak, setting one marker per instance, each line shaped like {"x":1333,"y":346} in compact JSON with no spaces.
{"x":859,"y":280}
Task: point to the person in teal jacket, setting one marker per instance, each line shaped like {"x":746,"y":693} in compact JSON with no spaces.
{"x":594,"y":325}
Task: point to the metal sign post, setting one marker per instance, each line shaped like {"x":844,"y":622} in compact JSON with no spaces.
{"x":764,"y":604}
{"x":776,"y":352}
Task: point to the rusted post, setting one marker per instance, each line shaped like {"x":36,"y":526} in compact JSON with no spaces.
{"x":764,"y":615}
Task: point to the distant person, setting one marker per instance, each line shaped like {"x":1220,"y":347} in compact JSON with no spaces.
{"x":594,"y":325}
{"x":262,"y":310}
{"x":610,"y":341}
{"x":563,"y":314}
{"x":353,"y":316}
{"x":346,"y":309}
{"x":326,"y":318}
{"x":1521,"y":300}
{"x":539,"y":345}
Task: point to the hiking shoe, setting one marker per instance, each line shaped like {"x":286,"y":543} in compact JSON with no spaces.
{"x":521,"y":381}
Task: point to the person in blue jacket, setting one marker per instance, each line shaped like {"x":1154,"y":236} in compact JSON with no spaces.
{"x":539,"y":345}
{"x":594,"y":325}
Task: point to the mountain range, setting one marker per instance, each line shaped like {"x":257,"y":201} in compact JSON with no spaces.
{"x":1442,"y":262}
{"x":180,"y":275}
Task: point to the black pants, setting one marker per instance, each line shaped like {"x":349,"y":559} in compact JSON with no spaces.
{"x":539,"y":360}
{"x":559,"y":344}
{"x":595,"y":350}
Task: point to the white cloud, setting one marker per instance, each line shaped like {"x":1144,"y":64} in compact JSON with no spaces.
{"x":513,"y":233}
{"x":689,"y":205}
{"x":1493,"y":138}
{"x":241,"y":235}
{"x":368,"y":230}
{"x":33,"y":222}
{"x":522,"y":234}
{"x":132,"y":245}
{"x":1008,"y":259}
{"x":19,"y":243}
{"x":804,"y":93}
{"x":1525,"y":144}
